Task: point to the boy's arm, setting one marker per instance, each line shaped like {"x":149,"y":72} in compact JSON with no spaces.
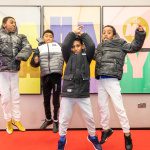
{"x":67,"y":44}
{"x":35,"y":59}
{"x":89,"y":45}
{"x":98,"y":53}
{"x":136,"y":44}
{"x":26,"y":49}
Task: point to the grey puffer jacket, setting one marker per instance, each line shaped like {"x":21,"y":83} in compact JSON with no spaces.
{"x":110,"y":55}
{"x":51,"y":59}
{"x":13,"y":46}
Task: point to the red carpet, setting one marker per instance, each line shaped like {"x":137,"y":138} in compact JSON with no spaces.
{"x":76,"y":140}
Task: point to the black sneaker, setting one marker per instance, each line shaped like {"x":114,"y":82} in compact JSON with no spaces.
{"x":55,"y":126}
{"x":105,"y":135}
{"x":62,"y":143}
{"x":128,"y":142}
{"x":95,"y":142}
{"x":46,"y":124}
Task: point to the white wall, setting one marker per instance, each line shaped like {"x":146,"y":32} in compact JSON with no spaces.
{"x":75,"y":2}
{"x":33,"y":112}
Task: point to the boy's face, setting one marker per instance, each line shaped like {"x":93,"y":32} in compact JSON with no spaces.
{"x":48,"y":38}
{"x":10,"y":25}
{"x":77,"y":47}
{"x":107,"y":34}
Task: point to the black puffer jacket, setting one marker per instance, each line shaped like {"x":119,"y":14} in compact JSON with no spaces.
{"x":13,"y":46}
{"x":110,"y":55}
{"x":77,"y":73}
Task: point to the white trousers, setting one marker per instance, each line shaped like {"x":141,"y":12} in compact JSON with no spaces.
{"x":10,"y":98}
{"x":66,"y":110}
{"x":111,"y":87}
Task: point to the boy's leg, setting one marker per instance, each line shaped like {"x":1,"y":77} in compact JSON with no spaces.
{"x":14,"y":78}
{"x":103,"y":104}
{"x":104,"y":110}
{"x":47,"y":87}
{"x":87,"y":113}
{"x":6,"y":99}
{"x":56,"y":100}
{"x":65,"y":114}
{"x":114,"y":90}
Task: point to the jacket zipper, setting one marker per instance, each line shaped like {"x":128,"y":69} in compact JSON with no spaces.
{"x":48,"y":58}
{"x":11,"y":47}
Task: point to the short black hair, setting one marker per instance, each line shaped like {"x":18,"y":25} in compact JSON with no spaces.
{"x":78,"y":38}
{"x":48,"y":31}
{"x":6,"y":18}
{"x":114,"y":30}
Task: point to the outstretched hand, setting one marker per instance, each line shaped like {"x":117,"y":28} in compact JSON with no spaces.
{"x":140,"y":28}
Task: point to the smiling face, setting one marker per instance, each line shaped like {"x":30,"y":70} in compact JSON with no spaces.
{"x":107,"y":34}
{"x":10,"y":25}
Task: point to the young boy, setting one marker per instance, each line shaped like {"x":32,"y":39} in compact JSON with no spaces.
{"x":75,"y":88}
{"x":110,"y":56}
{"x":14,"y":48}
{"x":49,"y":57}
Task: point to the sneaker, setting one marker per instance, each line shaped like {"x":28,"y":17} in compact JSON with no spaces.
{"x":105,"y":135}
{"x":55,"y":126}
{"x":95,"y":142}
{"x":9,"y":127}
{"x":128,"y":142}
{"x":19,"y":125}
{"x":46,"y":123}
{"x":62,"y":143}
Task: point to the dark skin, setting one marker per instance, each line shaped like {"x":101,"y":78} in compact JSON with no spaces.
{"x":10,"y":25}
{"x":108,"y":32}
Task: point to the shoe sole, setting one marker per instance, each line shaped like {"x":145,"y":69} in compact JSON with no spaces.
{"x":9,"y":132}
{"x":107,"y":138}
{"x":18,"y":128}
{"x":41,"y":128}
{"x":92,"y":144}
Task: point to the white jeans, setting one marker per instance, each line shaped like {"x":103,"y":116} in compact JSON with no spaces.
{"x":111,"y":87}
{"x":66,"y":109}
{"x":10,"y":98}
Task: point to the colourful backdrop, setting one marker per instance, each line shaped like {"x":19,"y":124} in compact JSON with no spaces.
{"x":28,"y":22}
{"x":136,"y":77}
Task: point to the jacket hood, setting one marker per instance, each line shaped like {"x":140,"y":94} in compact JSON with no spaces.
{"x":3,"y":30}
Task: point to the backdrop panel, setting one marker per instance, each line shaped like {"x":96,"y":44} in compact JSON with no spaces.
{"x":136,"y":77}
{"x":28,"y":22}
{"x":62,"y":20}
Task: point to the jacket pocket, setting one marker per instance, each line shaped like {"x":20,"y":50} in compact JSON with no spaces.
{"x":84,"y":84}
{"x":68,"y":77}
{"x":85,"y":77}
{"x":68,"y":83}
{"x":115,"y":65}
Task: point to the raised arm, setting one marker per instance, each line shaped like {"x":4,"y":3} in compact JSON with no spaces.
{"x":137,"y":43}
{"x":89,"y":45}
{"x":67,"y":44}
